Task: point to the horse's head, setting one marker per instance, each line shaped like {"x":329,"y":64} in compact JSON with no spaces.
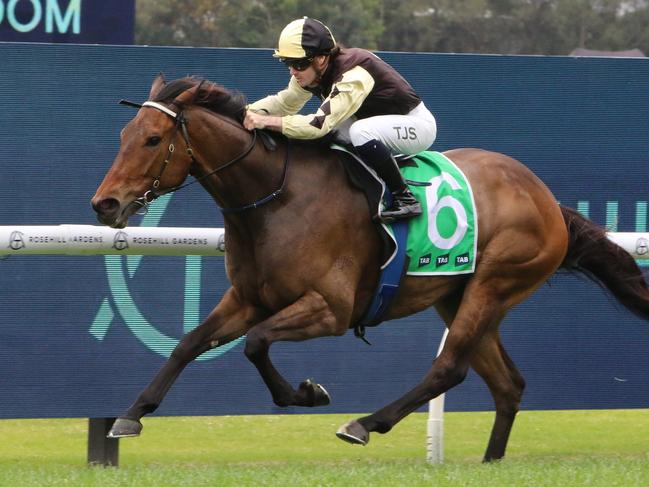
{"x":147,"y":162}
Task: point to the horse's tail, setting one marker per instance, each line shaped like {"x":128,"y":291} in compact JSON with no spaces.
{"x":592,"y":253}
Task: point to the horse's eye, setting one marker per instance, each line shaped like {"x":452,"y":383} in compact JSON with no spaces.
{"x":153,"y":141}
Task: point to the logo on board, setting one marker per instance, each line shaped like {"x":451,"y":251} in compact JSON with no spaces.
{"x":120,"y":241}
{"x":641,"y":246}
{"x":121,"y":307}
{"x":17,"y":240}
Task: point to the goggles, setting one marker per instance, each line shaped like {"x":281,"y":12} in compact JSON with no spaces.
{"x":297,"y":64}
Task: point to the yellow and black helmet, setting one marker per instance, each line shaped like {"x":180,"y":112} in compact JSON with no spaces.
{"x":304,"y":38}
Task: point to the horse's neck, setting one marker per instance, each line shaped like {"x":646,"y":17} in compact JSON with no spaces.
{"x":315,"y":180}
{"x":244,"y":178}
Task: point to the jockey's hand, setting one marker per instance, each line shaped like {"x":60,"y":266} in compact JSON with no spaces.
{"x":255,"y":120}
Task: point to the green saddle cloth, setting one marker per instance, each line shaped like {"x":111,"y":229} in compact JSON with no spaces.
{"x":443,"y":240}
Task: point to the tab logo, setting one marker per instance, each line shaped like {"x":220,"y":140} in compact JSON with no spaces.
{"x":424,"y":260}
{"x":462,"y":260}
{"x":442,"y":260}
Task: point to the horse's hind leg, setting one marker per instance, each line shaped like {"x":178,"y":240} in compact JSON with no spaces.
{"x":228,"y":321}
{"x":506,"y":384}
{"x":479,"y":311}
{"x":491,"y":362}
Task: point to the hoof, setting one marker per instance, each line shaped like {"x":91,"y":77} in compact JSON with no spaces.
{"x":124,"y":428}
{"x":354,"y":433}
{"x":316,"y":394}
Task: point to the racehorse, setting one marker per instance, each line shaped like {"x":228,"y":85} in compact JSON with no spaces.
{"x":297,"y":196}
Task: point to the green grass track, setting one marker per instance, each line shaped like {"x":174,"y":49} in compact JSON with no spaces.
{"x":548,"y":448}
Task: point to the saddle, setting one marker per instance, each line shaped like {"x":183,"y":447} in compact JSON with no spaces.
{"x":365,"y":179}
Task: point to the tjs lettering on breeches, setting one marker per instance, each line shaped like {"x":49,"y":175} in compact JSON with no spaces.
{"x":409,"y":133}
{"x":402,"y":134}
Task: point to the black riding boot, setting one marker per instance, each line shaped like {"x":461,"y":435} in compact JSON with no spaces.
{"x":404,"y":204}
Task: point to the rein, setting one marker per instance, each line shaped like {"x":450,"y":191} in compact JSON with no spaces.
{"x":181,"y":123}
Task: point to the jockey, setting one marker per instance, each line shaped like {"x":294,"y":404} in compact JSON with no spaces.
{"x":363,"y":100}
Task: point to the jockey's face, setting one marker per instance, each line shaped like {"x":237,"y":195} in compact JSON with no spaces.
{"x":310,"y":77}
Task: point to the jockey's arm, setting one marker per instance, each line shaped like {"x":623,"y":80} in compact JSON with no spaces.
{"x":287,"y":102}
{"x":346,"y":97}
{"x":267,"y":112}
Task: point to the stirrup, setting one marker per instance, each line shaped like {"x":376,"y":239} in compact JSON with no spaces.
{"x":401,"y":212}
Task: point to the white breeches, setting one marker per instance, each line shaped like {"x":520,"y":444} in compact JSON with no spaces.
{"x":402,"y":134}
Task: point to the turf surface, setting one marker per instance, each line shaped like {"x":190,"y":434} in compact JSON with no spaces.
{"x":561,"y":448}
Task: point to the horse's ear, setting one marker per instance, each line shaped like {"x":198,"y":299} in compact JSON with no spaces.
{"x":187,"y":97}
{"x":157,"y":85}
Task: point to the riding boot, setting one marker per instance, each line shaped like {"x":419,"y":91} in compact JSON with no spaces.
{"x":404,"y":204}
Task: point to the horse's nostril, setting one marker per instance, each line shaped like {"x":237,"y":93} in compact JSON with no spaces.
{"x":106,"y":205}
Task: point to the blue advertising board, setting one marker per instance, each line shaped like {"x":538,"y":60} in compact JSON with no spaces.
{"x":81,"y":336}
{"x":68,"y":21}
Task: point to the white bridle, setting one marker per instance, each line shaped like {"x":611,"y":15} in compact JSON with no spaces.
{"x":160,"y":107}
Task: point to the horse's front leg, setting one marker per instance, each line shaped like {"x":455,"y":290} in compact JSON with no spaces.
{"x":230,"y":320}
{"x":311,"y":316}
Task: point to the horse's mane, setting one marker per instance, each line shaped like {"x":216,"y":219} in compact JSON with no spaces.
{"x":219,"y":99}
{"x":209,"y":95}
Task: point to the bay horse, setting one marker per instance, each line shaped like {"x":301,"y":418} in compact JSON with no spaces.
{"x":282,"y":206}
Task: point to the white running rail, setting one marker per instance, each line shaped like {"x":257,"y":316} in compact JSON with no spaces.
{"x":101,"y":240}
